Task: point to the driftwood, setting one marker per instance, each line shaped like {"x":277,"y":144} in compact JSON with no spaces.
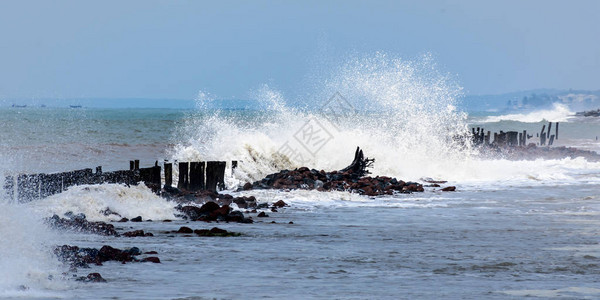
{"x":359,"y":165}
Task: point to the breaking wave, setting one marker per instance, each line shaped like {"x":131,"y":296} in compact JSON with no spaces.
{"x":558,"y":113}
{"x":400,"y":112}
{"x":94,"y":200}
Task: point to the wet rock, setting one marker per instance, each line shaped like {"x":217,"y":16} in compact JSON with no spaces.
{"x":151,"y":252}
{"x":152,"y":259}
{"x":78,"y":223}
{"x":92,"y":277}
{"x":247,"y":186}
{"x":280,"y":204}
{"x":137,"y":219}
{"x":184,"y":229}
{"x":123,"y":220}
{"x":215,"y":231}
{"x":449,"y":189}
{"x":82,"y":257}
{"x":107,"y":212}
{"x":262,"y":215}
{"x":136,"y":233}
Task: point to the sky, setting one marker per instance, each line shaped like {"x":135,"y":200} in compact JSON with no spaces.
{"x":174,"y":49}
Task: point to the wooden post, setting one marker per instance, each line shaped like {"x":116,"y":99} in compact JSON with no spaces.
{"x":556,"y":134}
{"x":543,"y":136}
{"x":234,"y":164}
{"x":551,"y":140}
{"x":168,"y":174}
{"x":137,"y":164}
{"x":131,"y":165}
{"x":183,"y":176}
{"x":524,"y":137}
{"x":98,"y":170}
{"x":520,"y":139}
{"x":196,"y":176}
{"x":549,"y":129}
{"x":28,"y":187}
{"x":215,"y":175}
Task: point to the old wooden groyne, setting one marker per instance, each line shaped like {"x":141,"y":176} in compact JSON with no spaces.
{"x":513,"y":138}
{"x":193,"y":176}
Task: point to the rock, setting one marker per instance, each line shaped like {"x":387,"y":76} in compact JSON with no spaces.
{"x":136,"y":233}
{"x":247,"y":186}
{"x":134,"y":251}
{"x":215,"y":231}
{"x":78,"y":223}
{"x":92,"y":277}
{"x":151,"y":252}
{"x":291,"y":222}
{"x":184,"y":229}
{"x":152,"y":259}
{"x":137,"y":219}
{"x":107,"y":212}
{"x":107,"y":253}
{"x":262,"y":215}
{"x":192,"y":212}
{"x":449,"y":189}
{"x":123,"y":220}
{"x":280,"y":204}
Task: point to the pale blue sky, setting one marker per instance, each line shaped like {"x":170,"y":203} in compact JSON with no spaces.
{"x":173,"y":49}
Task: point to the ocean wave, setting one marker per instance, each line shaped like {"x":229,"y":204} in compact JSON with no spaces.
{"x":92,"y":200}
{"x":558,"y":113}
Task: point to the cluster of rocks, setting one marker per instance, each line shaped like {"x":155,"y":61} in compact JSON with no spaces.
{"x":211,"y":211}
{"x":215,"y":231}
{"x":79,"y":223}
{"x":305,"y":178}
{"x":81,"y":257}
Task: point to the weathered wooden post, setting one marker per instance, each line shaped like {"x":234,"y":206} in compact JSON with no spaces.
{"x":524,"y":137}
{"x":196,"y":176}
{"x":137,"y":164}
{"x":215,"y":175}
{"x":234,"y":164}
{"x":28,"y":187}
{"x":183,"y":176}
{"x":551,"y":140}
{"x":520,"y":139}
{"x":543,"y":136}
{"x":131,"y":165}
{"x":168,"y":174}
{"x":556,"y":134}
{"x":549,"y":129}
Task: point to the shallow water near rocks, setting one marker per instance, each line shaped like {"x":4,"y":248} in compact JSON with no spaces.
{"x":468,"y":244}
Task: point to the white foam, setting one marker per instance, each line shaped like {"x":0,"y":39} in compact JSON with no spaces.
{"x":28,"y":268}
{"x":128,"y":202}
{"x":558,"y":113}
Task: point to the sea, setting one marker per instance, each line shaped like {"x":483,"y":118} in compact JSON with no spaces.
{"x":512,"y":229}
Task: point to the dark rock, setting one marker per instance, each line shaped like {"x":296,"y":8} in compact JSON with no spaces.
{"x":247,"y":186}
{"x":124,"y":220}
{"x":184,"y":229}
{"x":80,"y":224}
{"x":108,"y":212}
{"x":449,"y":189}
{"x":152,"y":259}
{"x":280,"y":204}
{"x":137,"y":233}
{"x":215,"y":231}
{"x":92,"y":277}
{"x":137,"y":219}
{"x":291,"y":222}
{"x":151,"y":252}
{"x":262,"y":215}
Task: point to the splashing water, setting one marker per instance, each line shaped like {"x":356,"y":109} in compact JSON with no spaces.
{"x":28,"y":268}
{"x":405,"y":118}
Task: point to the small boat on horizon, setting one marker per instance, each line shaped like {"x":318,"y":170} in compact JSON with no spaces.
{"x":75,"y":106}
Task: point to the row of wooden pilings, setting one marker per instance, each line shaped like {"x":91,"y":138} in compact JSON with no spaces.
{"x":193,"y":176}
{"x":512,"y":138}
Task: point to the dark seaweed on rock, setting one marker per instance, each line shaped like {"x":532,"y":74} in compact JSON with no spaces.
{"x":82,"y":257}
